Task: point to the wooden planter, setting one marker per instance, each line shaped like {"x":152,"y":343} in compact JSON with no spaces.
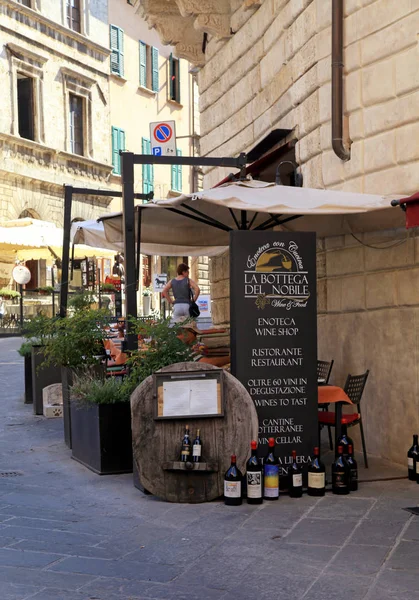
{"x":101,"y":437}
{"x":28,"y":380}
{"x":41,"y":377}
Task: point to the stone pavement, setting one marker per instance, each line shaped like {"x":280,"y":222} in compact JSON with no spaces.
{"x":67,"y":534}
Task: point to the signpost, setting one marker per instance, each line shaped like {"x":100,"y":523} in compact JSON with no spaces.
{"x":22,"y":276}
{"x":159,"y":281}
{"x":163,"y":138}
{"x":274,"y":336}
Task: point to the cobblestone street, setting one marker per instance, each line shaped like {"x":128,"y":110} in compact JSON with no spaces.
{"x":67,"y":534}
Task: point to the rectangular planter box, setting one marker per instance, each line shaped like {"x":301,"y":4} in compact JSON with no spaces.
{"x":41,"y":377}
{"x":101,"y":437}
{"x":28,"y":380}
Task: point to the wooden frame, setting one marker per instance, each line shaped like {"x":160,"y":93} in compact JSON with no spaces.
{"x":159,"y":379}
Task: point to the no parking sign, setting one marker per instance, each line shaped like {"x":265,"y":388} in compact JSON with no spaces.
{"x":163,"y":138}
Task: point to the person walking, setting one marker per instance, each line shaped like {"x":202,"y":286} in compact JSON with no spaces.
{"x":181,"y":287}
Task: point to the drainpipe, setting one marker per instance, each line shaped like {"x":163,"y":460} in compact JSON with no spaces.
{"x":337,"y":81}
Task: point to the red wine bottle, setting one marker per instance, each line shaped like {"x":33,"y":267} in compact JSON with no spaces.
{"x":340,"y":474}
{"x":295,"y":478}
{"x":412,"y":458}
{"x":197,"y":448}
{"x":344,"y":441}
{"x":316,"y":476}
{"x":185,"y":453}
{"x":353,"y":470}
{"x":233,"y":484}
{"x":254,"y":473}
{"x":271,"y":473}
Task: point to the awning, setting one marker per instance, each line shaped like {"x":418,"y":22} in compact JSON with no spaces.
{"x":205,"y":219}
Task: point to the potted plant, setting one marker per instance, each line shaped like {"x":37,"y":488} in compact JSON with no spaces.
{"x":147,"y":293}
{"x":7,"y":294}
{"x":26,"y":351}
{"x":38,"y":332}
{"x":101,"y":424}
{"x":107,"y":288}
{"x":76,"y":346}
{"x":46,"y":290}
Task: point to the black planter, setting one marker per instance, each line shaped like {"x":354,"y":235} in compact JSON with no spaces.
{"x":41,"y":378}
{"x":28,"y":380}
{"x":101,"y":437}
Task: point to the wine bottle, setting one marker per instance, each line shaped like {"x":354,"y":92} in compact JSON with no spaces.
{"x":412,"y":457}
{"x":316,"y":476}
{"x":197,"y":448}
{"x":295,"y":478}
{"x":185,"y":454}
{"x":340,"y":474}
{"x":344,"y":441}
{"x":233,"y":484}
{"x":254,"y":471}
{"x":353,"y":470}
{"x":271,"y":473}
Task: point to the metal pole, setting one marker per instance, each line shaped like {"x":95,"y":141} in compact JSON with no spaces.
{"x":21,"y":306}
{"x":53,"y":293}
{"x":138,"y":263}
{"x":128,"y":218}
{"x":65,"y":258}
{"x":243,"y":216}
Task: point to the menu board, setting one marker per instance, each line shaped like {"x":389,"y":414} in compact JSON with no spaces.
{"x":274,"y":336}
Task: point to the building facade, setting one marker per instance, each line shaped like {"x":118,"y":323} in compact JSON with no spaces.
{"x":266,"y":68}
{"x":54,"y":118}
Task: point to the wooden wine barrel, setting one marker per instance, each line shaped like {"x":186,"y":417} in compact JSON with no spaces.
{"x":157,"y":443}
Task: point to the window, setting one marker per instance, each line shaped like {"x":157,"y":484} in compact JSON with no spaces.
{"x":118,"y":143}
{"x":149,"y":67}
{"x":117,"y":50}
{"x":73,"y":15}
{"x":76,"y":120}
{"x":176,"y":185}
{"x":26,"y":3}
{"x":174,"y":79}
{"x":25,"y":106}
{"x":148,"y":170}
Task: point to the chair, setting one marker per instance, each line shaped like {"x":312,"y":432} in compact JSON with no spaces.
{"x":324,"y":369}
{"x":354,"y":388}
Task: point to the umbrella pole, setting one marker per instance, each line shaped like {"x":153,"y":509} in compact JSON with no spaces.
{"x":128,"y":219}
{"x":243,"y":216}
{"x":65,"y":258}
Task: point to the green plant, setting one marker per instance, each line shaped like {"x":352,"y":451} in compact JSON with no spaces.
{"x":77,"y":340}
{"x":6,"y":293}
{"x":147,"y":291}
{"x":165,"y":347}
{"x":25,"y":349}
{"x":81,"y":301}
{"x":87,"y":389}
{"x":46,"y":289}
{"x":107,"y":287}
{"x":39,"y":329}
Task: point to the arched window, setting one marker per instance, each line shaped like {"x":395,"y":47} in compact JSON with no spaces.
{"x":29,"y":213}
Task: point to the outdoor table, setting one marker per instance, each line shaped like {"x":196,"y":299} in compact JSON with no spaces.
{"x":333,"y":394}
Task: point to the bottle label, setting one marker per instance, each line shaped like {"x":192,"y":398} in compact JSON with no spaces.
{"x":339,"y":479}
{"x":317,"y":480}
{"x":354,"y":474}
{"x":186,"y":451}
{"x":271,"y":481}
{"x":197,"y":450}
{"x":417,"y":467}
{"x":254,"y":485}
{"x":232,"y":489}
{"x":410,"y":462}
{"x":297,"y":480}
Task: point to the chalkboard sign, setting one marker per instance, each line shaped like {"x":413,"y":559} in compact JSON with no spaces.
{"x":274,"y":335}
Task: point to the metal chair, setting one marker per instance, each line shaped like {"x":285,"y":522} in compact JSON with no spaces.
{"x":324,"y":369}
{"x":354,"y":388}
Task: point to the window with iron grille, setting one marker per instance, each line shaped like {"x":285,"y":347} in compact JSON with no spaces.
{"x":76,"y":121}
{"x":149,"y":67}
{"x":177,"y":175}
{"x":118,"y":143}
{"x":117,"y":50}
{"x":148,"y":170}
{"x":174,"y":79}
{"x":74,"y":15}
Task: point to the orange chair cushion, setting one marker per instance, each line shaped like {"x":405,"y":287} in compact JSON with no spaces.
{"x":328,"y":418}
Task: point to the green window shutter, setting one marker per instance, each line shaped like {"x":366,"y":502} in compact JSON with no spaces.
{"x":143,"y":64}
{"x":177,"y":82}
{"x":116,"y":162}
{"x":171,"y":76}
{"x":154,"y":69}
{"x":117,"y":50}
{"x":148,"y":170}
{"x":173,"y":185}
{"x":179,"y":173}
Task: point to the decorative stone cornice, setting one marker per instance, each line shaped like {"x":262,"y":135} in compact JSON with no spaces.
{"x":182,"y":23}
